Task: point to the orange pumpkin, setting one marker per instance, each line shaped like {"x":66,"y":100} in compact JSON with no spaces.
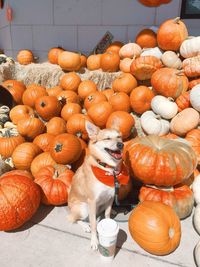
{"x":43,"y":141}
{"x":100,"y":112}
{"x":56,"y":125}
{"x":18,"y":172}
{"x":125,"y":64}
{"x":151,"y":159}
{"x":140,"y":99}
{"x":33,"y":91}
{"x":155,"y":227}
{"x":193,"y":137}
{"x":108,"y":92}
{"x":65,"y":148}
{"x":114,"y":47}
{"x":20,"y":199}
{"x":169,"y":82}
{"x":48,"y":107}
{"x":40,"y":161}
{"x":124,"y":83}
{"x":54,"y":90}
{"x":121,"y":121}
{"x":79,"y":161}
{"x":146,"y":38}
{"x":25,"y":57}
{"x":55,"y":182}
{"x":193,"y":83}
{"x":144,"y":67}
{"x":67,"y":96}
{"x":24,"y":154}
{"x":70,"y":81}
{"x":20,"y":112}
{"x":16,"y":89}
{"x":120,"y":101}
{"x":154,"y":3}
{"x":83,"y":61}
{"x":94,"y":98}
{"x":76,"y":125}
{"x":183,"y":101}
{"x":93,"y":62}
{"x":86,"y":87}
{"x":180,"y":198}
{"x":171,"y":34}
{"x":69,"y":61}
{"x":54,"y":53}
{"x":110,"y":61}
{"x":30,"y":127}
{"x":70,"y":109}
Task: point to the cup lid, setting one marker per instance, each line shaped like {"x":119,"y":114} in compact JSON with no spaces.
{"x":107,"y":227}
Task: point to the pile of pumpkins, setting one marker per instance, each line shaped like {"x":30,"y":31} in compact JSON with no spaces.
{"x":160,"y":82}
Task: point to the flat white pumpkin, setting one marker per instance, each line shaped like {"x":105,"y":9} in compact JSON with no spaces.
{"x":195,"y":97}
{"x":171,"y":60}
{"x":190,"y":47}
{"x":156,"y":52}
{"x":197,"y":254}
{"x":165,"y":107}
{"x":153,"y":124}
{"x":196,"y":189}
{"x":130,"y":50}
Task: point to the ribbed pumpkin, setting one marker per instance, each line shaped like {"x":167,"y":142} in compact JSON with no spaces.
{"x":19,"y":200}
{"x":193,"y":137}
{"x":43,"y":141}
{"x":140,"y":99}
{"x":120,"y":101}
{"x":121,"y":121}
{"x":33,"y":91}
{"x":125,"y":64}
{"x":109,"y":61}
{"x":146,"y":38}
{"x":180,"y":198}
{"x":93,"y":99}
{"x":18,"y":172}
{"x":48,"y":107}
{"x":69,"y":61}
{"x":114,"y":47}
{"x":151,"y":159}
{"x":183,"y":101}
{"x":70,"y":81}
{"x":76,"y":125}
{"x":25,"y":57}
{"x":54,"y":182}
{"x":24,"y":154}
{"x":9,"y":140}
{"x":193,"y":83}
{"x":143,"y":67}
{"x":94,"y":62}
{"x":30,"y":127}
{"x":169,"y":82}
{"x":67,"y":96}
{"x":108,"y":92}
{"x":53,"y":54}
{"x":171,"y":34}
{"x":65,"y":148}
{"x":124,"y":83}
{"x":20,"y":112}
{"x":70,"y":109}
{"x":16,"y":89}
{"x":100,"y":112}
{"x":54,"y":90}
{"x":155,"y":227}
{"x":56,"y":125}
{"x":86,"y":87}
{"x":40,"y":161}
{"x":130,"y":50}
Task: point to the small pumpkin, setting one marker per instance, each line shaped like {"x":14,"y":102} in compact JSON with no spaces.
{"x":108,"y":92}
{"x":65,"y":148}
{"x":70,"y":109}
{"x":54,"y":90}
{"x":21,"y":112}
{"x":16,"y":89}
{"x":55,"y":182}
{"x":130,"y":50}
{"x":93,"y":99}
{"x":94,"y":62}
{"x":25,"y":57}
{"x":86,"y":87}
{"x":193,"y":137}
{"x":83,"y":61}
{"x":155,"y":227}
{"x":190,"y":47}
{"x":184,"y":121}
{"x":120,"y":101}
{"x":67,"y":96}
{"x":183,"y":101}
{"x":124,"y":83}
{"x":69,"y":61}
{"x":53,"y":54}
{"x":20,"y":199}
{"x":171,"y":34}
{"x":41,"y":160}
{"x":191,"y":66}
{"x":171,"y":60}
{"x":109,"y":61}
{"x":70,"y":81}
{"x":114,"y":46}
{"x":163,"y":106}
{"x":146,"y":38}
{"x":56,"y":125}
{"x":125,"y":65}
{"x":155,"y":51}
{"x":121,"y":121}
{"x":32,"y":92}
{"x":143,"y":67}
{"x":193,"y":83}
{"x":43,"y":141}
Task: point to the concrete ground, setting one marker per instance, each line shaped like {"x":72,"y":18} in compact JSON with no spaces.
{"x":48,"y":240}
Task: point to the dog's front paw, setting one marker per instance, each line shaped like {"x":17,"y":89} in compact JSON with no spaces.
{"x":94,"y":242}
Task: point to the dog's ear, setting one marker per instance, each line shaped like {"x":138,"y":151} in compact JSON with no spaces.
{"x":91,"y":129}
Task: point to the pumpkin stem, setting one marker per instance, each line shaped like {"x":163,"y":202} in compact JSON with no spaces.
{"x":56,"y":174}
{"x":170,"y":99}
{"x":180,"y":73}
{"x":42,"y":104}
{"x":79,"y":134}
{"x":158,"y":117}
{"x":62,"y":100}
{"x":58,"y":147}
{"x":177,"y":19}
{"x":163,"y":188}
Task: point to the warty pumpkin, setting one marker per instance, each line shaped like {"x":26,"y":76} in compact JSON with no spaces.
{"x":155,"y":227}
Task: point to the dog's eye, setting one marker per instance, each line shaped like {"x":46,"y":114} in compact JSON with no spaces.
{"x":108,"y":138}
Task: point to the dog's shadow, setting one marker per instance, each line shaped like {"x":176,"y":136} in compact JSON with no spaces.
{"x":121,"y":239}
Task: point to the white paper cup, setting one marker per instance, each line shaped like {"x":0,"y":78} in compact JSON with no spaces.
{"x":107,"y":230}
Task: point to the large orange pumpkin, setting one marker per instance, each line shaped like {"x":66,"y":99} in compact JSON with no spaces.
{"x":69,"y":61}
{"x":30,"y":127}
{"x":43,"y":141}
{"x":109,"y":61}
{"x":40,"y":161}
{"x":169,"y":82}
{"x":70,"y":109}
{"x":32,"y":92}
{"x":160,"y":161}
{"x":20,"y":112}
{"x":16,"y":89}
{"x":55,"y":182}
{"x":171,"y":34}
{"x":180,"y":198}
{"x":146,"y":38}
{"x":155,"y":227}
{"x":19,"y":200}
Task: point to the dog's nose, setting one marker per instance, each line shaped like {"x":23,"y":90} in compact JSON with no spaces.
{"x":120,"y":145}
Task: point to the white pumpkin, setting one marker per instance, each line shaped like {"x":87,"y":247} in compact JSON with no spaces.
{"x":190,"y":47}
{"x":197,"y":254}
{"x":130,"y":50}
{"x":163,"y":106}
{"x":171,"y":60}
{"x":195,"y":97}
{"x":153,"y":124}
{"x":196,"y":189}
{"x":196,"y":218}
{"x":156,"y":52}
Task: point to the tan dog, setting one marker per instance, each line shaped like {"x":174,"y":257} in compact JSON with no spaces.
{"x":90,"y":195}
